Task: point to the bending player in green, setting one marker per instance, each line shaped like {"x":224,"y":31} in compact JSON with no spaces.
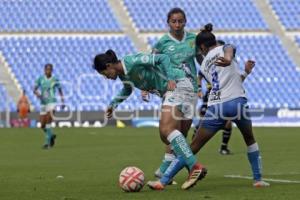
{"x":48,"y":84}
{"x":154,"y":73}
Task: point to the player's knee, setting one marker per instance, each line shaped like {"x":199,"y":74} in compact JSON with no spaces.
{"x":164,"y":131}
{"x":249,"y":139}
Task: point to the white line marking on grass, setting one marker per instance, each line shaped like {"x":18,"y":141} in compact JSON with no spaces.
{"x":280,"y":174}
{"x":265,"y":179}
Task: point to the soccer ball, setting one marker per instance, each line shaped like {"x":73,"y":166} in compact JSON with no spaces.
{"x":131,"y":179}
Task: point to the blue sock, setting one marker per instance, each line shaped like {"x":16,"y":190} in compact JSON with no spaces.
{"x":48,"y":132}
{"x":181,"y":148}
{"x":255,"y":161}
{"x":168,"y":158}
{"x":172,"y":170}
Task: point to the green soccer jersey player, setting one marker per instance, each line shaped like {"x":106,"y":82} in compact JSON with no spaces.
{"x":179,"y":45}
{"x":48,"y":84}
{"x":154,"y":73}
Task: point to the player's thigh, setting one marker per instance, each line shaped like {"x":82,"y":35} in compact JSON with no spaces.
{"x":201,"y":138}
{"x":240,"y":113}
{"x":43,"y":116}
{"x":43,"y":120}
{"x":185,"y":126}
{"x":212,"y":120}
{"x":247,"y":131}
{"x":211,"y":123}
{"x":169,"y":120}
{"x":50,"y":112}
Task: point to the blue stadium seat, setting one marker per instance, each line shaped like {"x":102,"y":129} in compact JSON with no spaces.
{"x":57,"y":15}
{"x":72,"y":58}
{"x":288,"y":12}
{"x":7,"y":103}
{"x":150,"y":15}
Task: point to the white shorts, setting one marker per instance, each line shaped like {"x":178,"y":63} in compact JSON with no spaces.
{"x":183,"y":97}
{"x":47,"y":108}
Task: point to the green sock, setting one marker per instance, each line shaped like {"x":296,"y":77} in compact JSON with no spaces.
{"x":168,"y":158}
{"x":181,"y":148}
{"x":48,"y":133}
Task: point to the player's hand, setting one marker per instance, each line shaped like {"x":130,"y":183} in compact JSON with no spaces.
{"x":171,"y":85}
{"x":109,"y":112}
{"x":249,"y":65}
{"x":223,"y":62}
{"x":145,"y":95}
{"x":200,"y":94}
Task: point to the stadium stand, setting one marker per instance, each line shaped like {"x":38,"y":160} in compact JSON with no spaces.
{"x":6,"y":101}
{"x":288,"y":12}
{"x":274,"y":75}
{"x":150,"y":15}
{"x":298,"y":40}
{"x":57,"y":16}
{"x":71,"y":57}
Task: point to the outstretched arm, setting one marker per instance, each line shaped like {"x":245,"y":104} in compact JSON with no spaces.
{"x":164,"y":61}
{"x":121,"y":96}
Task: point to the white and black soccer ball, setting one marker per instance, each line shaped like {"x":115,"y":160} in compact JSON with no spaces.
{"x":131,"y":179}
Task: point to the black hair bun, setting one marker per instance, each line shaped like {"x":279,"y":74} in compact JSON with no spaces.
{"x":208,"y":27}
{"x":112,"y":55}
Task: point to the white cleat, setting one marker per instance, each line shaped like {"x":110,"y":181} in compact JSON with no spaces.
{"x":259,"y":184}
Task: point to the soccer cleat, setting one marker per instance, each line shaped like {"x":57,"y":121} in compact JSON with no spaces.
{"x":155,"y":185}
{"x":224,"y":150}
{"x":158,"y":174}
{"x":197,"y":173}
{"x":259,"y":184}
{"x":52,"y":141}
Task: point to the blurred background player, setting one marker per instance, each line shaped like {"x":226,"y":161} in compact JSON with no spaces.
{"x":154,"y":73}
{"x":179,"y":45}
{"x":227,"y":130}
{"x":48,"y":84}
{"x":23,"y":108}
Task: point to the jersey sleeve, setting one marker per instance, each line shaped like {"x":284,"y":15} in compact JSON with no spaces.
{"x":157,"y":48}
{"x":165,"y":63}
{"x":122,"y":95}
{"x":231,"y":47}
{"x":135,"y":60}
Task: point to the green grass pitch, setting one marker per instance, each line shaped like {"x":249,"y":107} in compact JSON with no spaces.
{"x":90,"y":161}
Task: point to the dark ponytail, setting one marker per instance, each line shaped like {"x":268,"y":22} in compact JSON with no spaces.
{"x":206,"y":37}
{"x":101,"y":60}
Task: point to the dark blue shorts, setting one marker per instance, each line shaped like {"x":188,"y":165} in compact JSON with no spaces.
{"x":217,"y":115}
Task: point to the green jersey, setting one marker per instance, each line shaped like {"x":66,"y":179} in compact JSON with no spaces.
{"x":181,"y":53}
{"x":149,"y":72}
{"x":47,"y":87}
